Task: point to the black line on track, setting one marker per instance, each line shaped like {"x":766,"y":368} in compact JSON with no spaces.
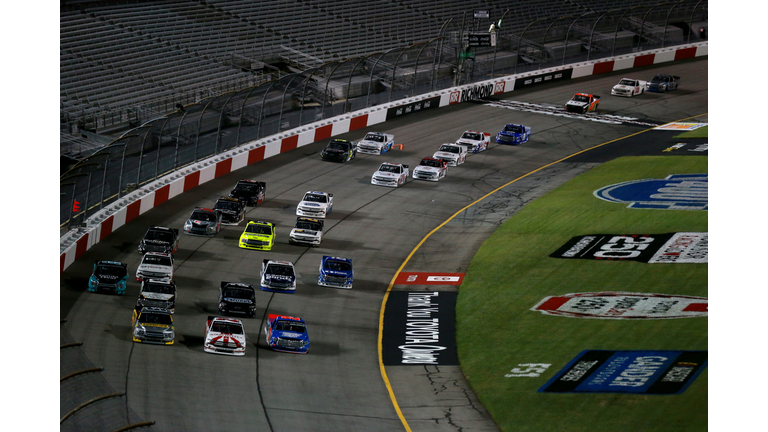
{"x":258,"y":380}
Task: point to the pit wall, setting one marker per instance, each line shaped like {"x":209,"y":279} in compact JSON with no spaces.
{"x":77,"y":241}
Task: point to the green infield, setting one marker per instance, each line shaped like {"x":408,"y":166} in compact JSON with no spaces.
{"x":701,"y":132}
{"x":498,"y":334}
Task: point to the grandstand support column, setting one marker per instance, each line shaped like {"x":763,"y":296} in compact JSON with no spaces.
{"x":568,"y":32}
{"x":666,"y":22}
{"x":592,"y":33}
{"x":394,"y":69}
{"x":642,"y":24}
{"x":282,"y":102}
{"x":370,"y":79}
{"x":544,"y":38}
{"x":349,"y":82}
{"x":221,"y":121}
{"x":242,"y":110}
{"x":304,"y":91}
{"x":520,"y":41}
{"x":438,"y":57}
{"x":328,"y":81}
{"x":690,"y":24}
{"x":120,"y":177}
{"x":498,"y":41}
{"x":618,"y":24}
{"x":178,"y":136}
{"x":261,"y":110}
{"x":416,"y":67}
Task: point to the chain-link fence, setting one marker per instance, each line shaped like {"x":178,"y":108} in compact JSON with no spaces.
{"x":214,"y":123}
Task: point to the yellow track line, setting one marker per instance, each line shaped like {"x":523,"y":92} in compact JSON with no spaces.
{"x":392,"y":282}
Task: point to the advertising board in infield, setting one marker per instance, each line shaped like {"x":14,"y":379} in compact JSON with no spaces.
{"x":420,"y":329}
{"x":429,"y":278}
{"x":669,"y":248}
{"x":630,"y":372}
{"x":623,"y":305}
{"x":675,"y":192}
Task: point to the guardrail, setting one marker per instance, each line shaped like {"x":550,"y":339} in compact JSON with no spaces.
{"x":77,"y":241}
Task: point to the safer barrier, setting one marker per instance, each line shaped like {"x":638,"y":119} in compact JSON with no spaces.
{"x":76,"y":242}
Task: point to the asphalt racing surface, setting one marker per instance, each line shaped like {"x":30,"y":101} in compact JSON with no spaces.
{"x":338,"y":385}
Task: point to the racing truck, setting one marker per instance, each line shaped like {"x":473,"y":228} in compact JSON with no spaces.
{"x":307,"y":231}
{"x":315,"y":204}
{"x":160,"y":239}
{"x":224,"y":336}
{"x":453,"y":154}
{"x":203,"y":222}
{"x":155,"y":265}
{"x":153,"y":325}
{"x":237,"y":298}
{"x":514,"y":134}
{"x":109,"y":276}
{"x":339,"y":150}
{"x":629,"y":87}
{"x":431,"y":169}
{"x":335,"y":272}
{"x":159,"y":293}
{"x":663,"y":83}
{"x":278,"y":276}
{"x":376,"y":143}
{"x":390,"y":174}
{"x":250,"y":192}
{"x":286,"y":334}
{"x":583,"y":103}
{"x":232,"y":210}
{"x":474,"y":141}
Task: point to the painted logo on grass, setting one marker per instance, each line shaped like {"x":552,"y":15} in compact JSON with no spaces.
{"x":669,"y":248}
{"x":623,"y":305}
{"x":629,"y":372}
{"x":676,"y":192}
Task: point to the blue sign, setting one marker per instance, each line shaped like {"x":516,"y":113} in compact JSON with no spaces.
{"x":635,"y":372}
{"x":676,"y":192}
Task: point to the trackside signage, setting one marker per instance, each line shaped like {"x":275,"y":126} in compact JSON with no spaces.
{"x":629,"y":372}
{"x":419,"y":329}
{"x":623,"y":305}
{"x":409,"y":108}
{"x":524,"y":82}
{"x":675,"y":192}
{"x":669,"y":248}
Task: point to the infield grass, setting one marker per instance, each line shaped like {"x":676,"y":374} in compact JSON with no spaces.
{"x":512,"y":272}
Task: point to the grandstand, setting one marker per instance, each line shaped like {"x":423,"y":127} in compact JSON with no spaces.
{"x":126,"y":62}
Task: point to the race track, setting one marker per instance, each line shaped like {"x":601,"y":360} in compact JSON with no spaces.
{"x":338,"y":385}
